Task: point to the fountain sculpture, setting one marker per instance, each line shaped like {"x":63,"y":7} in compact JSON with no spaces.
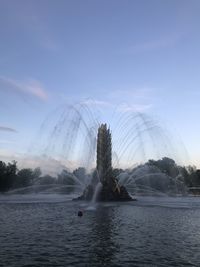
{"x":138,"y":160}
{"x":110,"y":190}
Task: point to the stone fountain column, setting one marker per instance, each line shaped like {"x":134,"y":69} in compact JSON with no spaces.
{"x":111,"y":191}
{"x":104,"y":158}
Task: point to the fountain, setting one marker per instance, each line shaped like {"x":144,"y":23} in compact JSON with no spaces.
{"x":71,"y":139}
{"x":110,"y":190}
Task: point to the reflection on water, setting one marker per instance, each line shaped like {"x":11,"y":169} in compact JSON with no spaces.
{"x":103,"y":231}
{"x":44,"y":230}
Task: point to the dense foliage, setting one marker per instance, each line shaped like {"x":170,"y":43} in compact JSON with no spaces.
{"x":189,"y":174}
{"x":11,"y":177}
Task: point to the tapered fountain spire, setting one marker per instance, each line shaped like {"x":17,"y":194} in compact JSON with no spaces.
{"x":104,"y":154}
{"x":110,"y":189}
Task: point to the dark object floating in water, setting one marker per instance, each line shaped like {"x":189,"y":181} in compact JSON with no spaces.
{"x":80,"y":213}
{"x":111,"y":190}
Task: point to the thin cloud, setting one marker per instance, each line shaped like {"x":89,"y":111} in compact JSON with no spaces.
{"x":7,"y":142}
{"x":100,"y":103}
{"x":31,"y":87}
{"x":151,"y":45}
{"x":122,"y":107}
{"x":134,"y":108}
{"x":127,"y":100}
{"x":49,"y":44}
{"x":30,"y":18}
{"x":129,"y":94}
{"x":7,"y":129}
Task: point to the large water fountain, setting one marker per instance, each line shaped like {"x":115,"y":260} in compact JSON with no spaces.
{"x":106,"y":186}
{"x":72,"y":137}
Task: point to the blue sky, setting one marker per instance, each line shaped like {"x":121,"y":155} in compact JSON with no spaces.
{"x":142,"y":53}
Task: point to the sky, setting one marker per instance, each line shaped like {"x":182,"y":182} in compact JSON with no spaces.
{"x":141,"y":54}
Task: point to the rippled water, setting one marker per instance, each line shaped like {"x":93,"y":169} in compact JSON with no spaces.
{"x":44,"y":230}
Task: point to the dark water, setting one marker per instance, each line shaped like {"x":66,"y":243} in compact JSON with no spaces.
{"x":44,"y":230}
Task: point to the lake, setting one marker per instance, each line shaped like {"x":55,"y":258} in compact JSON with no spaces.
{"x":44,"y":230}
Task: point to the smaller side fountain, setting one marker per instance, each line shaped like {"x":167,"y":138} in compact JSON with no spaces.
{"x":110,"y":190}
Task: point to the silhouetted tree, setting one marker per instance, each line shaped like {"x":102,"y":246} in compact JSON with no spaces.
{"x":47,"y":179}
{"x":24,"y":178}
{"x":66,"y":178}
{"x":36,"y":174}
{"x":80,"y":173}
{"x":166,"y":165}
{"x":194,"y":176}
{"x":7,"y":175}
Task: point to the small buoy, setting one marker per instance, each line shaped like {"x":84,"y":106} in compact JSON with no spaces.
{"x":80,"y":213}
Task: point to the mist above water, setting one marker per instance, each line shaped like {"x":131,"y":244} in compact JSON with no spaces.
{"x":68,"y":137}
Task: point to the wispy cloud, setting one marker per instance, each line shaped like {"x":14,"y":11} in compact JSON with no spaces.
{"x":121,"y":106}
{"x":133,"y":99}
{"x":30,"y":18}
{"x":6,"y":142}
{"x":99,"y":103}
{"x":7,"y":129}
{"x":151,"y":45}
{"x":123,"y":100}
{"x":134,"y":108}
{"x":131,"y":94}
{"x":49,"y":44}
{"x":31,"y":87}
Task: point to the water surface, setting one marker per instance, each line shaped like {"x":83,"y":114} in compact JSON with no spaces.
{"x":44,"y":230}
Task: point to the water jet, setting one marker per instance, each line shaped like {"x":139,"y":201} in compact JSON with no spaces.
{"x":73,"y":143}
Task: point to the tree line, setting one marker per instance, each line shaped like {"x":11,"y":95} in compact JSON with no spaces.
{"x":11,"y":177}
{"x":190,"y":175}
